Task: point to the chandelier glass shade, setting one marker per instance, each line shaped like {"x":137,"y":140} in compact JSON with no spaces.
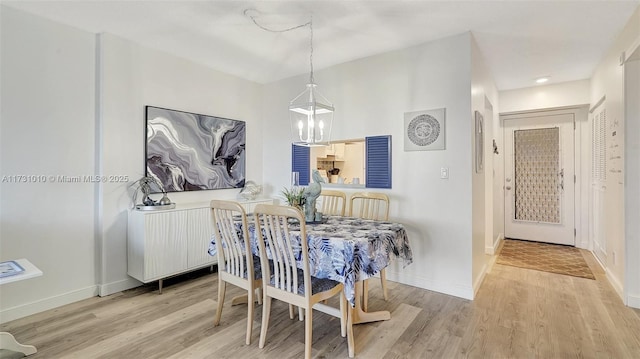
{"x":311,"y":117}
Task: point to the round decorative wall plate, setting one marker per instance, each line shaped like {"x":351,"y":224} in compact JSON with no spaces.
{"x":423,"y":130}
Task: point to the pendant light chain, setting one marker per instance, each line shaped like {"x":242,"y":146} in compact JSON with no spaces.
{"x":246,"y":13}
{"x":310,"y":24}
{"x":311,"y":79}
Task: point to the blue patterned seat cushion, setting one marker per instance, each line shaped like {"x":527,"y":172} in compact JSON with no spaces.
{"x":317,"y":284}
{"x":257,"y":269}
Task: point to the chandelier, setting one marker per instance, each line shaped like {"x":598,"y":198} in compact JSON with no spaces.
{"x":310,"y":113}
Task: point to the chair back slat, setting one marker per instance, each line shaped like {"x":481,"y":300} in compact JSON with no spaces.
{"x":369,"y":205}
{"x":231,"y":247}
{"x":333,"y":203}
{"x":276,"y":239}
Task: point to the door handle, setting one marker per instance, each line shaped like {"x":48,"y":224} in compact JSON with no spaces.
{"x":508,"y":188}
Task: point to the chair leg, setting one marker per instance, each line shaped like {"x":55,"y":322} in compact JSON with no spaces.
{"x":291,"y":315}
{"x":250,"y":307}
{"x":308,"y":336}
{"x":343,"y":314}
{"x":365,"y":295}
{"x":383,"y":282}
{"x":259,"y":294}
{"x":350,"y":340}
{"x":300,"y":314}
{"x":222,"y":286}
{"x":266,"y":311}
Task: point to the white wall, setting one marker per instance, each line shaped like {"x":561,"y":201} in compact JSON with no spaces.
{"x":484,"y":96}
{"x":607,"y":81}
{"x":53,"y":125}
{"x":47,"y":130}
{"x":632,"y":180}
{"x":134,"y":76}
{"x":371,"y":96}
{"x":545,"y":96}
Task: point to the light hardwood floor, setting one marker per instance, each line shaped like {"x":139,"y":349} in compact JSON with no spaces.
{"x":518,"y":313}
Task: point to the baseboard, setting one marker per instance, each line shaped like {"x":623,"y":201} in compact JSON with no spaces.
{"x":24,"y":310}
{"x":633,"y":301}
{"x":478,"y":282}
{"x":493,"y":248}
{"x":615,"y":283}
{"x":460,"y":291}
{"x":118,"y":286}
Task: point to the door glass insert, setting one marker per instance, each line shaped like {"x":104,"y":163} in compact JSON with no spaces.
{"x":538,"y":178}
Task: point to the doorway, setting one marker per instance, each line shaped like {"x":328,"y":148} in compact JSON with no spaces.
{"x":539,"y":178}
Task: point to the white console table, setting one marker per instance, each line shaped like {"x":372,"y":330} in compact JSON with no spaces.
{"x":7,"y":341}
{"x":166,"y":243}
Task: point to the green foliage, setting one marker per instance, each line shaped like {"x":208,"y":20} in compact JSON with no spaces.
{"x":294,"y":196}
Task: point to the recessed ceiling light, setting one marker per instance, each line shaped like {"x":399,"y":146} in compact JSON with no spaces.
{"x":541,"y":80}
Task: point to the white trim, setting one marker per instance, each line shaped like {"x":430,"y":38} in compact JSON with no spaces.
{"x":118,"y":286}
{"x":478,"y":282}
{"x":563,"y":109}
{"x":600,"y":102}
{"x":630,"y":50}
{"x":615,"y":283}
{"x":24,"y":310}
{"x":461,"y":291}
{"x":493,"y":248}
{"x":633,"y":301}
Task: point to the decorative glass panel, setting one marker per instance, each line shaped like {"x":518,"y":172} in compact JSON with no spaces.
{"x":537,"y":175}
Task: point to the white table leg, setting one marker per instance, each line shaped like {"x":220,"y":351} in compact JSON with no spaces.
{"x":360,"y":316}
{"x":7,"y":341}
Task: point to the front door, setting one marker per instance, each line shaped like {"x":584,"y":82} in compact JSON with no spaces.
{"x":539,"y":177}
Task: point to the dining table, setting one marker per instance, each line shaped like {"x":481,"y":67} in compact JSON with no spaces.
{"x":348,"y":250}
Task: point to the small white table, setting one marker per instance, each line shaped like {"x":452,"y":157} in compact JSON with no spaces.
{"x":7,"y":341}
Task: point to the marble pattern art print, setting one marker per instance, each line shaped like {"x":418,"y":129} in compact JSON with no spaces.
{"x":190,"y":152}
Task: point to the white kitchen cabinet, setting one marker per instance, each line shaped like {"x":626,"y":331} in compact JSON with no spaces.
{"x":165,"y":243}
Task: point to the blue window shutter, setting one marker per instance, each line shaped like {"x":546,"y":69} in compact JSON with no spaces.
{"x":378,"y":161}
{"x":300,"y":162}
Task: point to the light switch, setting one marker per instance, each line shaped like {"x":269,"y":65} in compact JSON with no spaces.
{"x":444,"y":172}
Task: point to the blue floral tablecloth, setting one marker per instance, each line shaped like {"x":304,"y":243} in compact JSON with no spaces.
{"x":346,"y":249}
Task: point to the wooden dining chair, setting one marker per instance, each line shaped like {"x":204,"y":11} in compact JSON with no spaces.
{"x":333,"y":203}
{"x":282,"y":279}
{"x":371,"y":205}
{"x":236,"y":263}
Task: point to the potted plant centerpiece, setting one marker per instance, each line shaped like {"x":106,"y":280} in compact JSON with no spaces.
{"x":294,"y":196}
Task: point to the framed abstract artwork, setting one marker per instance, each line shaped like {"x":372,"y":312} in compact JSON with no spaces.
{"x":424,"y":130}
{"x":189,"y":152}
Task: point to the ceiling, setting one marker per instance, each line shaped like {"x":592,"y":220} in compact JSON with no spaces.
{"x":520,"y":40}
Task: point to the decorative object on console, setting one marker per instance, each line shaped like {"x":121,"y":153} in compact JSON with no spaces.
{"x":424,"y":130}
{"x":250,"y":191}
{"x":189,"y":152}
{"x":311,"y":114}
{"x":148,"y":185}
